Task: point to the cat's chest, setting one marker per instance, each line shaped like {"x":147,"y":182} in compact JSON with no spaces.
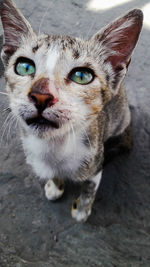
{"x":57,"y":157}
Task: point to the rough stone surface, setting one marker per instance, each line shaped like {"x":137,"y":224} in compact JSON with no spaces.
{"x":38,"y":233}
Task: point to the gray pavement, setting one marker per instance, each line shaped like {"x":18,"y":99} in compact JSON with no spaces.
{"x":35,"y":232}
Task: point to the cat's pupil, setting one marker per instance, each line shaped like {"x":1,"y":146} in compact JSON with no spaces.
{"x":27,"y":67}
{"x":80,"y":74}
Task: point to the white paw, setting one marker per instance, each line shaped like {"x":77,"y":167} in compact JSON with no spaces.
{"x":80,"y":215}
{"x":52,"y":192}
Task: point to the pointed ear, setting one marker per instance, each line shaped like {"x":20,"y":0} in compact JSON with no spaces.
{"x":118,"y":39}
{"x":15,"y":27}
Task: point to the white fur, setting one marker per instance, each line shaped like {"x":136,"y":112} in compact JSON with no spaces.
{"x":97,"y":179}
{"x":52,"y":192}
{"x":56,"y":158}
{"x":80,"y":215}
{"x":52,"y":58}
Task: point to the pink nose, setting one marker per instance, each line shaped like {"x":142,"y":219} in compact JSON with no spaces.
{"x":41,"y":95}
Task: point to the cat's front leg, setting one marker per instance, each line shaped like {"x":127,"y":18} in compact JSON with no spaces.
{"x":81,"y":208}
{"x":54,"y":189}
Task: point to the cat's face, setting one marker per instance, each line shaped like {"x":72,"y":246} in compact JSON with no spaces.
{"x":59,"y":84}
{"x":63,"y":67}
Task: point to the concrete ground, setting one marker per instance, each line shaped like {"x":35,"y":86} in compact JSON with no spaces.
{"x":37,"y":233}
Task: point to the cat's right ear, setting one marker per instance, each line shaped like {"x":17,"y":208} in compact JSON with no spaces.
{"x":15,"y":27}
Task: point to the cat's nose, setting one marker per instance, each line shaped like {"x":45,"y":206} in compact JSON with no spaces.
{"x":41,"y":101}
{"x":43,"y":94}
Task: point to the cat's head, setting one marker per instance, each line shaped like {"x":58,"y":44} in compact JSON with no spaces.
{"x":60,"y":83}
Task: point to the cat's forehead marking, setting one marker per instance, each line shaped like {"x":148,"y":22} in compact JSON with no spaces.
{"x":53,"y":55}
{"x":67,"y":43}
{"x":59,"y":44}
{"x":35,"y":48}
{"x":76,"y":54}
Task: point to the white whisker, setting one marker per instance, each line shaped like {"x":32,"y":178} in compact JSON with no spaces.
{"x":10,"y":127}
{"x":88,"y":139}
{"x":4,"y":127}
{"x":74,"y":143}
{"x":6,"y":110}
{"x":90,"y":29}
{"x":44,"y":16}
{"x":7,"y":125}
{"x":2,"y":93}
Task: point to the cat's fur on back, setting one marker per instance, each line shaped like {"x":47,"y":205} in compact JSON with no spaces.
{"x":72,"y":102}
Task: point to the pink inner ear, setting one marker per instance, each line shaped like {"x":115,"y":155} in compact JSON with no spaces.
{"x":121,"y":37}
{"x":123,"y":46}
{"x":14,"y":25}
{"x":12,"y":33}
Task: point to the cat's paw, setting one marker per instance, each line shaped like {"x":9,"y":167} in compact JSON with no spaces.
{"x":52,"y":191}
{"x":79,"y":212}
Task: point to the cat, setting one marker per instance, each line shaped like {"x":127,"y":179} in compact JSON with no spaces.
{"x":68,"y":97}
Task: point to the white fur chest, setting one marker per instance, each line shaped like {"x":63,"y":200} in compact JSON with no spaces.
{"x":56,"y":158}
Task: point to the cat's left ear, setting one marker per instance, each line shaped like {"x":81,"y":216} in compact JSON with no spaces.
{"x":15,"y":27}
{"x":116,"y":42}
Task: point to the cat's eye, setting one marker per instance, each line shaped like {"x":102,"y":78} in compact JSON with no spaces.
{"x":81,"y":75}
{"x":24,"y":67}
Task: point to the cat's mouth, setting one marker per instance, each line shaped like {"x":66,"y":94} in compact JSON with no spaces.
{"x":42,"y":123}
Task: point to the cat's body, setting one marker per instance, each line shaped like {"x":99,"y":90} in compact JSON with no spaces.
{"x":67,"y":156}
{"x":71,"y":101}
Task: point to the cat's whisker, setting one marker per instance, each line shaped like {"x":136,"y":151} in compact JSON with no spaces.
{"x":6,"y":119}
{"x":44,"y":16}
{"x":10,"y":126}
{"x":90,"y":29}
{"x":88,"y":139}
{"x":92,"y":114}
{"x":74,"y":144}
{"x":69,"y":134}
{"x":17,"y":123}
{"x":4,"y":126}
{"x":3,"y":93}
{"x":6,"y":110}
{"x":10,"y":123}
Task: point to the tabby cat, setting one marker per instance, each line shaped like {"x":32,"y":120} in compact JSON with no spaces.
{"x":68,"y":97}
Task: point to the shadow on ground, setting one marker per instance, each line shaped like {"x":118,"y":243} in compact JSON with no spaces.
{"x":34,"y":232}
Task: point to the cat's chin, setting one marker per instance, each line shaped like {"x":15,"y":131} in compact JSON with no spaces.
{"x":46,"y":129}
{"x":41,"y":127}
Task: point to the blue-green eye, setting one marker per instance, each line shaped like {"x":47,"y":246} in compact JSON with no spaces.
{"x":24,"y":67}
{"x":81,"y":75}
